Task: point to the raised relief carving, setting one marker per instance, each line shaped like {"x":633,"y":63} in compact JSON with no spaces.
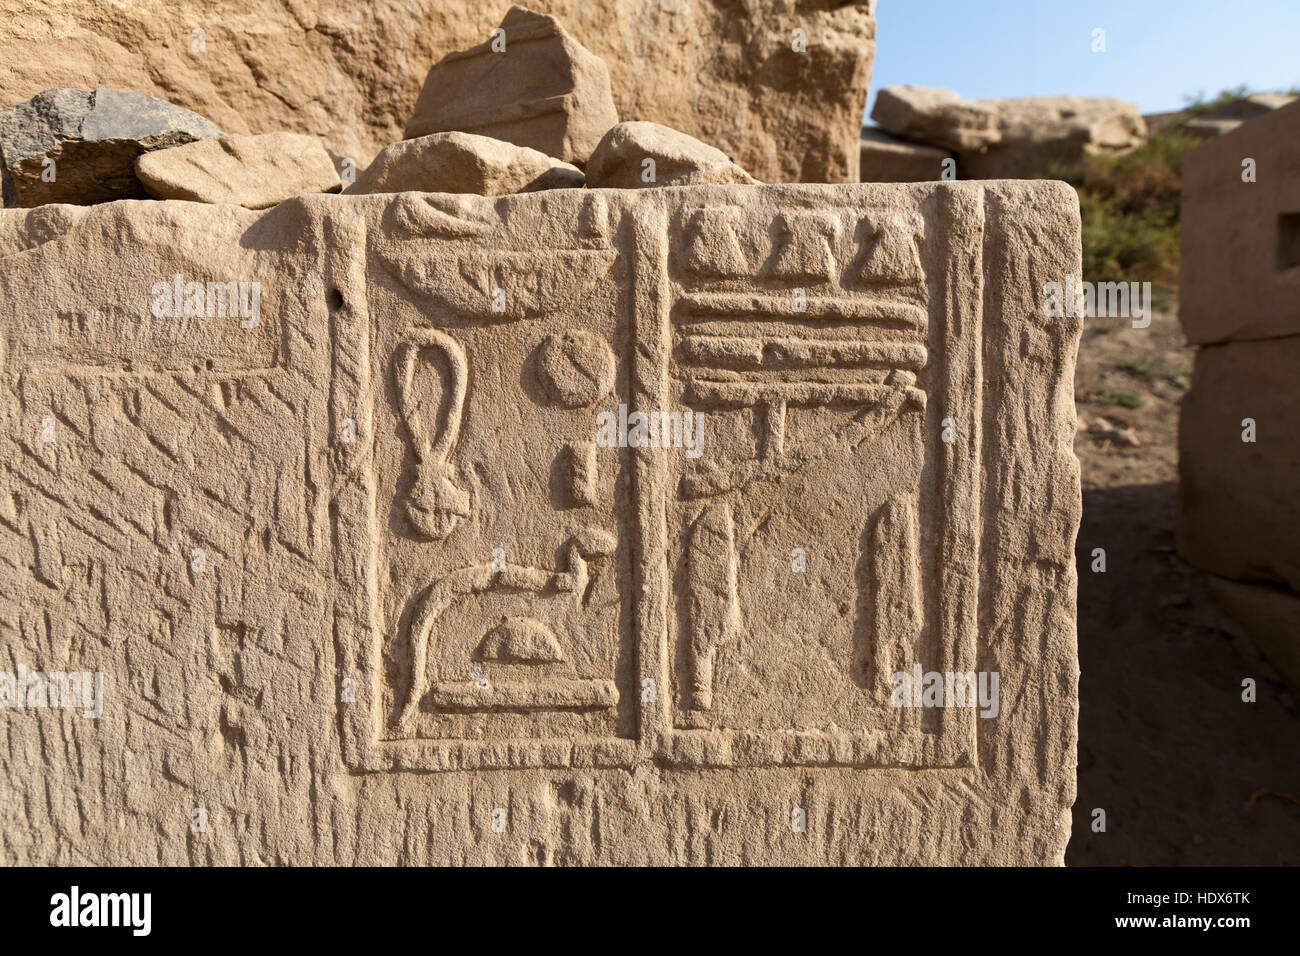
{"x":890,"y":254}
{"x":379,"y":553}
{"x":803,"y":247}
{"x":520,"y":640}
{"x":819,"y":398}
{"x":579,"y":464}
{"x":576,"y":368}
{"x":568,"y":584}
{"x":713,"y":248}
{"x":509,"y":286}
{"x":434,"y":502}
{"x":711,"y":603}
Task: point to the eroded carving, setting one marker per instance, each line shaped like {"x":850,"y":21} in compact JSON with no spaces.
{"x":418,"y":563}
{"x":435,"y":502}
{"x":429,"y":605}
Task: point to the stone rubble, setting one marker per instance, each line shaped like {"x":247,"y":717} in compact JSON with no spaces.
{"x":532,"y":85}
{"x":1004,"y":138}
{"x":723,"y":72}
{"x":637,"y":155}
{"x":80,"y":146}
{"x":463,"y":163}
{"x":1040,"y":133}
{"x":255,"y":172}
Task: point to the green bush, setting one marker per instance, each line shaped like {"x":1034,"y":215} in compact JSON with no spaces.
{"x":1129,"y":205}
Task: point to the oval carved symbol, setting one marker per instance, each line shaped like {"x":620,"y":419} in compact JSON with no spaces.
{"x":575,"y":368}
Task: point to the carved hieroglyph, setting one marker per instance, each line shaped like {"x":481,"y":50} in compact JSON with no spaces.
{"x":377,"y":568}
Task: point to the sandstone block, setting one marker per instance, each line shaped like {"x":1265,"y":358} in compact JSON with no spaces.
{"x":463,"y":163}
{"x":1215,"y":121}
{"x":887,"y":159}
{"x":1239,"y":273}
{"x":1038,"y":133}
{"x":74,"y":146}
{"x":1251,"y":106}
{"x":1238,"y":512}
{"x":1261,"y":104}
{"x":637,"y":155}
{"x":936,"y":117}
{"x":532,"y":84}
{"x":251,"y":171}
{"x":1270,"y":617}
{"x":722,"y":72}
{"x":1207,"y":128}
{"x":653,"y":503}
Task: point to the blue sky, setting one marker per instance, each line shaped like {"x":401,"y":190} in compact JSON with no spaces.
{"x":1157,"y":51}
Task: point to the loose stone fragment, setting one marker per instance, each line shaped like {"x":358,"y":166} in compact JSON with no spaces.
{"x":638,"y":155}
{"x":531,"y":84}
{"x":80,"y":147}
{"x":887,"y":159}
{"x":936,"y":117}
{"x":250,"y":171}
{"x":464,"y":163}
{"x":1042,"y":133}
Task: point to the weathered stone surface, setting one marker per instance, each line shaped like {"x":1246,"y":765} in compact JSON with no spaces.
{"x":338,"y":554}
{"x":1040,"y":132}
{"x":1012,"y":138}
{"x":1255,"y":105}
{"x":1207,"y":128}
{"x":1216,"y":121}
{"x":936,"y":117}
{"x":1238,"y":511}
{"x":1239,"y":274}
{"x":638,"y":155}
{"x":350,"y":74}
{"x":92,"y":138}
{"x":463,"y":163}
{"x":251,"y":171}
{"x":532,"y":85}
{"x":887,"y":159}
{"x":1270,"y":617}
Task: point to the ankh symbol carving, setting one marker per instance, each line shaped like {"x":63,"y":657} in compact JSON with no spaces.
{"x":435,"y":502}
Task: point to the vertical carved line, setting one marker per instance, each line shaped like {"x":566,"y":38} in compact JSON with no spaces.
{"x":356,"y":627}
{"x":651,"y":583}
{"x":961,"y":340}
{"x":712,"y":600}
{"x":895,"y":609}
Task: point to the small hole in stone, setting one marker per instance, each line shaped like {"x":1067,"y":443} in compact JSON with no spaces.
{"x":334,"y":299}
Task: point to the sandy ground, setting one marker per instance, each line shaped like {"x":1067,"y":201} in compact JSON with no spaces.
{"x":1166,"y":746}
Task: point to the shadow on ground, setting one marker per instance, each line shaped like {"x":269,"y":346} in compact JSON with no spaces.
{"x":1166,"y":746}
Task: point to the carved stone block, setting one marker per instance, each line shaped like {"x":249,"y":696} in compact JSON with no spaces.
{"x":577,"y":527}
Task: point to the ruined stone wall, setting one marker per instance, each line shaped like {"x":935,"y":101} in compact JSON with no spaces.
{"x":1238,"y":516}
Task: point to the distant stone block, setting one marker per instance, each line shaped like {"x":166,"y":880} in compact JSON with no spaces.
{"x":1239,"y":274}
{"x":888,"y":159}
